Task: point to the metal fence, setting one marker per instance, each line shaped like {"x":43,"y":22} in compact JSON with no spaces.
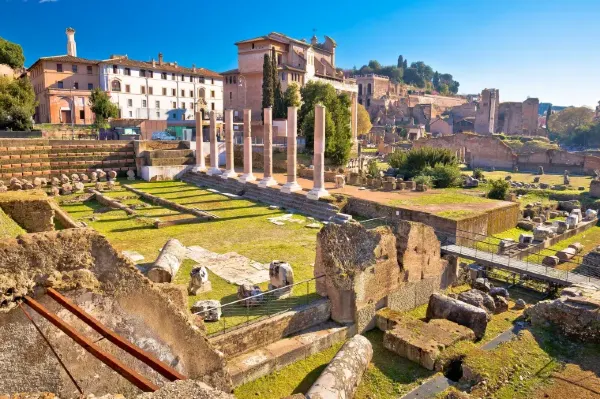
{"x":242,"y":312}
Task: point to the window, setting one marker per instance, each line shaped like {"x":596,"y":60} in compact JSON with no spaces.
{"x":128,"y":71}
{"x":201,"y":79}
{"x":172,"y":76}
{"x":115,"y":69}
{"x":89,"y":70}
{"x":201,"y":93}
{"x":183,"y":105}
{"x":127,"y":89}
{"x":174,"y":105}
{"x":230,"y":95}
{"x":144,"y":103}
{"x":212,"y":106}
{"x":173,"y":92}
{"x":191,"y":93}
{"x":131,"y":114}
{"x":150,"y":74}
{"x":212,"y":81}
{"x":252,"y":45}
{"x":360,"y":89}
{"x":182,"y":78}
{"x":278,"y":59}
{"x":163,"y":75}
{"x":76,"y":85}
{"x":368,"y":102}
{"x":235,"y":79}
{"x":157,"y":104}
{"x":191,"y":106}
{"x":82,"y":115}
{"x":150,"y":90}
{"x":212,"y":94}
{"x":143,"y":89}
{"x":60,"y":84}
{"x":74,"y":68}
{"x":191,"y":79}
{"x":158,"y":114}
{"x":130,"y":103}
{"x":90,"y":86}
{"x":58,"y":67}
{"x":142,"y":73}
{"x":164,"y":91}
{"x":182,"y":93}
{"x":369,"y":88}
{"x":116,"y":85}
{"x":282,"y":75}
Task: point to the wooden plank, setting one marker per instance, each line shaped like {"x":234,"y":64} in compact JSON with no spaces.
{"x":160,"y":367}
{"x":106,"y":358}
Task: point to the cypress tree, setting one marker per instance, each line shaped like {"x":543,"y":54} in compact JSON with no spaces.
{"x":278,"y":103}
{"x":267,"y":86}
{"x":405,"y":66}
{"x":400,"y":62}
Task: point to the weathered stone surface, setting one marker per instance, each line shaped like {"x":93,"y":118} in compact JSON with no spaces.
{"x":112,"y":175}
{"x":501,"y":304}
{"x":343,"y":374}
{"x":79,"y":187}
{"x":443,"y":307}
{"x":566,"y":254}
{"x":551,"y":261}
{"x":208,"y":309}
{"x":576,"y":313}
{"x":499,"y":291}
{"x":281,"y":275}
{"x":541,"y":233}
{"x":130,"y":175}
{"x":181,"y":389}
{"x":520,"y":304}
{"x":199,"y":281}
{"x":168,"y":262}
{"x":249,"y":292}
{"x":479,"y":299}
{"x":482,"y":284}
{"x":569,"y":205}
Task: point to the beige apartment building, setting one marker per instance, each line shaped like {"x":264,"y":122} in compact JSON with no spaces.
{"x":298,"y":61}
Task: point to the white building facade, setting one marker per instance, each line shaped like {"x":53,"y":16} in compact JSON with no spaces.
{"x":157,"y":90}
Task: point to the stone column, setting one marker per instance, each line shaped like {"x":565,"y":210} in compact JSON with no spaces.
{"x":354,"y":118}
{"x":247,"y":176}
{"x":229,"y":163}
{"x":292,"y":147}
{"x":200,"y":157}
{"x":268,"y":180}
{"x":318,"y":190}
{"x":214,"y":146}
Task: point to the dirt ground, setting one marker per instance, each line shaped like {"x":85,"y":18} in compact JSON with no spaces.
{"x":574,"y":381}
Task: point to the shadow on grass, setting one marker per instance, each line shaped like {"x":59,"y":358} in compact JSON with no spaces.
{"x":309,"y":379}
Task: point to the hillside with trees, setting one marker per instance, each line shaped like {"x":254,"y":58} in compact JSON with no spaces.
{"x":417,"y":74}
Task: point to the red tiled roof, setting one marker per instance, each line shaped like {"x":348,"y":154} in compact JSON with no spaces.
{"x":66,"y":58}
{"x":165,"y":67}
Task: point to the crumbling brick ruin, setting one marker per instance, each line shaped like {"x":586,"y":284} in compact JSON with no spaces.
{"x":397,"y":267}
{"x":83,"y":266}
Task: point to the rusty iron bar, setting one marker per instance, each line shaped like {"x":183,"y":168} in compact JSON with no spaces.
{"x":63,"y":365}
{"x":152,"y":362}
{"x":106,"y":358}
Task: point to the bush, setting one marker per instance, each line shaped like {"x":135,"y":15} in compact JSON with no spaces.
{"x":372,"y":168}
{"x":498,"y":190}
{"x":478,"y":174}
{"x":424,"y":179}
{"x":445,"y":176}
{"x":413,"y":162}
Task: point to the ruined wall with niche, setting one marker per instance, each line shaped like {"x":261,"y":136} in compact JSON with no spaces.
{"x":87,"y":269}
{"x":397,"y":266}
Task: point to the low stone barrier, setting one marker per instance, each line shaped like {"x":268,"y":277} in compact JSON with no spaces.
{"x":106,"y":201}
{"x":343,"y":374}
{"x":443,"y":307}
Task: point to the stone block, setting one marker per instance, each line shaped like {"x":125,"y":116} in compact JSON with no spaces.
{"x":443,"y":307}
{"x":208,"y":309}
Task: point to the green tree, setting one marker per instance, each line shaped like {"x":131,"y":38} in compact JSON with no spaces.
{"x":454,"y":87}
{"x":436,"y":80}
{"x":444,"y":89}
{"x":364,"y":121}
{"x":268,"y":94}
{"x":11,"y":54}
{"x":412,"y":77}
{"x":423,"y":70}
{"x":291,"y":96}
{"x":400,"y":63}
{"x":498,"y":190}
{"x":279,"y":109}
{"x":102,"y":108}
{"x":17,"y":104}
{"x":338,"y":136}
{"x":405,"y":66}
{"x":374,"y":65}
{"x":564,"y":123}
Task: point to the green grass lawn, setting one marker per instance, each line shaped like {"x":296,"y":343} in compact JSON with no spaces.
{"x":441,"y":197}
{"x":242,"y":227}
{"x":8,"y":227}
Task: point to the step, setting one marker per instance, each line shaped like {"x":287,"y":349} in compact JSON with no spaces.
{"x":266,"y":360}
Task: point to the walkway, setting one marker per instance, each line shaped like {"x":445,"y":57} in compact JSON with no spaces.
{"x":533,"y":270}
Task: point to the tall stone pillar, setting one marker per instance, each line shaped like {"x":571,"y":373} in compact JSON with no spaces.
{"x":354,"y":118}
{"x":200,"y":157}
{"x":247,"y":176}
{"x":229,"y":163}
{"x":268,"y":180}
{"x":292,"y":149}
{"x":318,"y":190}
{"x":214,"y":146}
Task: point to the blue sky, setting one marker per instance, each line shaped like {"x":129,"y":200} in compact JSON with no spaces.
{"x":548,"y":49}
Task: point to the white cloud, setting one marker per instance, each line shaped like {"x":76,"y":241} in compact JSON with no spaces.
{"x":48,"y":1}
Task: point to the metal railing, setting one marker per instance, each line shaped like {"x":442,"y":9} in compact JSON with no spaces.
{"x":243,"y":312}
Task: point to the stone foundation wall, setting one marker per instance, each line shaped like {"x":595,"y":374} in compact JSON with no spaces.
{"x":31,"y":209}
{"x":82,"y":265}
{"x":29,"y":158}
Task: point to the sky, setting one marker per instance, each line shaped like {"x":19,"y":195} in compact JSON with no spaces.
{"x":549,"y":49}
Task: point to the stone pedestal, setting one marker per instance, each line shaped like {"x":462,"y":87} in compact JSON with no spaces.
{"x":229,"y":164}
{"x":268,"y":180}
{"x":200,"y":158}
{"x":292,"y":147}
{"x":214,"y":146}
{"x":247,"y":176}
{"x":318,"y":190}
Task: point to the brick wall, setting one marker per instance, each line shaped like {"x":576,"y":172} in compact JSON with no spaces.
{"x":45,"y":158}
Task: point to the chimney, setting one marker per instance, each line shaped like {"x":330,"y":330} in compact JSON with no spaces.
{"x":71,"y":46}
{"x":153,"y":63}
{"x":160,"y":58}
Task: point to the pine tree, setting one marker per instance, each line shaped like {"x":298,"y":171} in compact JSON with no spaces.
{"x":268,"y":97}
{"x":400,"y":62}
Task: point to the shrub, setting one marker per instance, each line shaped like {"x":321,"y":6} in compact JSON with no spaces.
{"x":413,"y":162}
{"x":478,"y":174}
{"x":372,"y":168}
{"x":498,"y":190}
{"x":424,"y":179}
{"x":444,"y":175}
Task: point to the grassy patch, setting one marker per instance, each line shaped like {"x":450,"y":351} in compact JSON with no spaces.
{"x":8,"y":227}
{"x":457,"y":215}
{"x":548,"y":178}
{"x":441,"y":197}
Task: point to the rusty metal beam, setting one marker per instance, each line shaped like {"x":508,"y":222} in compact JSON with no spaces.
{"x":106,"y":358}
{"x":160,"y":367}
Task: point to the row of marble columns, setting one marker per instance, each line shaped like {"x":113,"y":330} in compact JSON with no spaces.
{"x":267,"y":181}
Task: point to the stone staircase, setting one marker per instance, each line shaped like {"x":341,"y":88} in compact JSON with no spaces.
{"x":296,"y":202}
